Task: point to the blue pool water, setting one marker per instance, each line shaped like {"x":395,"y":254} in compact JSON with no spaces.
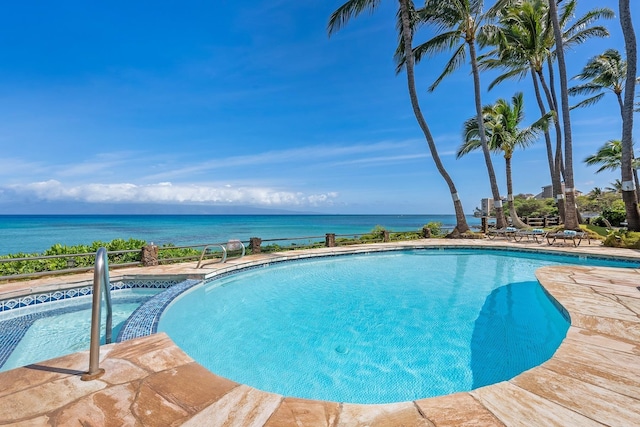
{"x":374,"y":328}
{"x":59,"y":328}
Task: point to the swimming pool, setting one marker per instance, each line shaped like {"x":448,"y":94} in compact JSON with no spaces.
{"x":375,"y":328}
{"x":44,"y":331}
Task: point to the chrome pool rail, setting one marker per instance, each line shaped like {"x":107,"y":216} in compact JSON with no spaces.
{"x":101,"y":284}
{"x":231,"y":245}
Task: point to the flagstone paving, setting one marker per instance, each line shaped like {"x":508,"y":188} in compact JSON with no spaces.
{"x":593,"y":379}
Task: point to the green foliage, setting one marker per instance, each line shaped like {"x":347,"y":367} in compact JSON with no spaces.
{"x":616,"y":213}
{"x":623,"y":239}
{"x":53,"y":264}
{"x":597,"y":202}
{"x":535,"y":207}
{"x":435,"y":228}
{"x":167,"y":252}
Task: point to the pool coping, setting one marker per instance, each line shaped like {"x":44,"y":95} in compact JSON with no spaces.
{"x":593,"y":379}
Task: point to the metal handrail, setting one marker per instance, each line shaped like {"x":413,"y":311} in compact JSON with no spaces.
{"x":231,"y":245}
{"x":101,"y":284}
{"x":204,"y":251}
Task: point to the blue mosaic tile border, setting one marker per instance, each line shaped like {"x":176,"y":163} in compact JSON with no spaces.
{"x":144,"y":320}
{"x":14,"y":329}
{"x":53,"y":296}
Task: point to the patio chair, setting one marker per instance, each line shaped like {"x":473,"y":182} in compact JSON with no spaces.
{"x":507,"y":232}
{"x":572,"y":236}
{"x":536,"y":234}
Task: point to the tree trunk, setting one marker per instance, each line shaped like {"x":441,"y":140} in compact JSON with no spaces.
{"x":461,"y":220}
{"x":495,"y":191}
{"x":515,"y":220}
{"x":556,"y":181}
{"x":628,"y":191}
{"x":571,"y":217}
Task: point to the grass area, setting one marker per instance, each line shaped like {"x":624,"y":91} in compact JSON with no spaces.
{"x":601,"y":231}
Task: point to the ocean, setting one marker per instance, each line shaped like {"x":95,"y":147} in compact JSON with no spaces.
{"x":36,"y":233}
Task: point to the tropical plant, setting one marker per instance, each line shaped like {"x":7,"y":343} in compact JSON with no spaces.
{"x":530,"y":207}
{"x":607,"y":71}
{"x":524,"y":43}
{"x":609,"y":157}
{"x":502,"y":121}
{"x":628,"y":195}
{"x":570,"y":211}
{"x":458,"y":23}
{"x":406,"y":26}
{"x":615,"y":187}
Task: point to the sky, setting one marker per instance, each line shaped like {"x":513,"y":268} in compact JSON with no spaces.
{"x":222,"y":104}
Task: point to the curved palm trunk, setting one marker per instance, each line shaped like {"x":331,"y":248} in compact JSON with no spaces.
{"x":461,"y":221}
{"x":512,"y":209}
{"x":495,"y":191}
{"x":552,"y":89}
{"x":556,"y":182}
{"x":628,"y":194}
{"x":571,"y":216}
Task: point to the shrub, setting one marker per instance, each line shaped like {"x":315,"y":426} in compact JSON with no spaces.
{"x":623,"y":239}
{"x":435,"y":228}
{"x":615,"y":214}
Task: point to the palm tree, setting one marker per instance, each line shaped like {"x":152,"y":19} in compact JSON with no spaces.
{"x":502,"y":121}
{"x":609,"y":157}
{"x":406,"y":12}
{"x":596,"y":193}
{"x":524,"y":43}
{"x":607,"y":71}
{"x":628,"y":195}
{"x":459,"y":23}
{"x":615,"y":187}
{"x":570,"y":210}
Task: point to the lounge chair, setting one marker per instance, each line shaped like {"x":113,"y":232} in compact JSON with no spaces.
{"x":507,"y":232}
{"x":535,"y":234}
{"x":574,"y":237}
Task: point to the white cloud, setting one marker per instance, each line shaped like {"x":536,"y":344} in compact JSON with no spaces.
{"x":164,"y":192}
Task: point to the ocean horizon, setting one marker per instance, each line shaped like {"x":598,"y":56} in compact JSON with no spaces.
{"x":37,"y":233}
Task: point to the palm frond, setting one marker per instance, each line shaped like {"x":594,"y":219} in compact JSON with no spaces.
{"x":588,"y":102}
{"x":348,"y":10}
{"x":585,"y":89}
{"x":438,"y":44}
{"x":518,"y":73}
{"x":454,"y":62}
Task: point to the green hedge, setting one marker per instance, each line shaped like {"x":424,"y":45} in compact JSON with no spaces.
{"x":53,"y":264}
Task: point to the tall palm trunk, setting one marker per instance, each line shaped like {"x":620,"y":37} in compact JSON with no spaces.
{"x":461,"y":221}
{"x":571,"y":215}
{"x":628,"y":194}
{"x":500,"y":219}
{"x":515,"y":219}
{"x":556,"y":181}
{"x":633,"y":170}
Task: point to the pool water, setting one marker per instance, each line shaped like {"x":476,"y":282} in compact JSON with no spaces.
{"x":64,"y":327}
{"x":374,"y":328}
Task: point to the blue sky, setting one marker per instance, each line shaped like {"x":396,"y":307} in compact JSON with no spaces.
{"x":230,"y":103}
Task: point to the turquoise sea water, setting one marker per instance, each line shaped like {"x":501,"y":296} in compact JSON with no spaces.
{"x":36,"y":233}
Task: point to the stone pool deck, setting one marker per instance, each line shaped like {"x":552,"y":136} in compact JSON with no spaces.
{"x":593,"y":378}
